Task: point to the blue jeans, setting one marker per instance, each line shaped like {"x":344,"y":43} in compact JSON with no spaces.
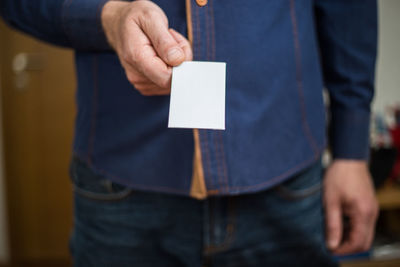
{"x":117,"y":226}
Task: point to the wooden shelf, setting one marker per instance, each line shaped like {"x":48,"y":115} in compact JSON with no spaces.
{"x":389,"y":197}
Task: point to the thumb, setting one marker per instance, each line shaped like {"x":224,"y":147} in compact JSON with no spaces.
{"x":334,"y":225}
{"x":167,"y":48}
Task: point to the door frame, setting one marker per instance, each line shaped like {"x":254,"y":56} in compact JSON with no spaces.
{"x":4,"y":241}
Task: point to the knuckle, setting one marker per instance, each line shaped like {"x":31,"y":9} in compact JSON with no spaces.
{"x":166,"y":75}
{"x":127,"y":57}
{"x":164,"y":85}
{"x":148,"y":15}
{"x":138,"y":57}
{"x":366,"y":210}
{"x":166,"y":44}
{"x":146,"y":68}
{"x":132,"y":78}
{"x":333,"y":229}
{"x":370,"y":213}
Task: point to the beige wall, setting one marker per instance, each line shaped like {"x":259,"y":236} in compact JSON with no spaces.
{"x":388,"y":65}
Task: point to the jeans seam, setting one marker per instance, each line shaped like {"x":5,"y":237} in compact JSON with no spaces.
{"x":230,"y":230}
{"x":102,"y":197}
{"x":299,"y":194}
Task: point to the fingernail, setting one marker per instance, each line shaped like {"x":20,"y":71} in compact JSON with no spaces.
{"x":174,"y":54}
{"x":332,"y":244}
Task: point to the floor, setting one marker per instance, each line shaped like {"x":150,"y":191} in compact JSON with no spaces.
{"x":388,"y":263}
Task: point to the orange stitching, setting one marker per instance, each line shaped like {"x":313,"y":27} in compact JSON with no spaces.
{"x":213,"y":191}
{"x":217,"y":156}
{"x":94,"y":110}
{"x":213,"y":30}
{"x":272,"y":180}
{"x":206,"y":150}
{"x":189,"y":22}
{"x":198,"y":34}
{"x":209,"y":57}
{"x":220,"y":134}
{"x":208,"y":158}
{"x":210,"y":192}
{"x":207,"y":34}
{"x":133,"y":186}
{"x":299,"y":79}
{"x":225,"y":169}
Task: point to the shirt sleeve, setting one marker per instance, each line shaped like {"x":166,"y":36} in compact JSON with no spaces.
{"x":347,"y":34}
{"x":69,"y":23}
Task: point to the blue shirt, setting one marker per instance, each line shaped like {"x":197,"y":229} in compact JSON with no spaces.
{"x":279,"y":54}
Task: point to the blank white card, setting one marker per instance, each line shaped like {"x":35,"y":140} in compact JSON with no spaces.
{"x":198,"y":96}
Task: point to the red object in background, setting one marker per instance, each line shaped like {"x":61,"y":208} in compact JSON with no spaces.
{"x":395,"y":134}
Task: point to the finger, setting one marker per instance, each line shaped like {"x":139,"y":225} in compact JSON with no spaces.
{"x":156,"y":92}
{"x":141,"y":82}
{"x":155,"y":69}
{"x":371,"y":218}
{"x":370,"y":237}
{"x":141,"y":57}
{"x":334,"y":225}
{"x":357,"y":237}
{"x":155,"y":27}
{"x":150,"y":89}
{"x":183,"y":43}
{"x":135,"y":77}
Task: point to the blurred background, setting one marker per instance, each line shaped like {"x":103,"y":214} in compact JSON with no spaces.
{"x":37,"y":109}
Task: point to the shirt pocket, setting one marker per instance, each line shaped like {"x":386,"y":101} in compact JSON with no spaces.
{"x":93,"y":186}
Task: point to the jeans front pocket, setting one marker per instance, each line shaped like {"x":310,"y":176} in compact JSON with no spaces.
{"x":93,"y":186}
{"x":303,"y":185}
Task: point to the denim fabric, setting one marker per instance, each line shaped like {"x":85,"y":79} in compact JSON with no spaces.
{"x":275,"y":117}
{"x":116,"y":226}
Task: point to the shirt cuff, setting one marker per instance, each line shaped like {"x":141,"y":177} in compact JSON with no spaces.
{"x":81,"y":20}
{"x":349,"y":134}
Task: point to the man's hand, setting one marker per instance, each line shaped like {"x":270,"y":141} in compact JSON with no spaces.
{"x":349,"y":193}
{"x":147,"y":49}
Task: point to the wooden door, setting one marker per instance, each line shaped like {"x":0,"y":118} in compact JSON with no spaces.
{"x":38,"y":88}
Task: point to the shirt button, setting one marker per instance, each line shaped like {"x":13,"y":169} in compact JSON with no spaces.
{"x":201,"y":2}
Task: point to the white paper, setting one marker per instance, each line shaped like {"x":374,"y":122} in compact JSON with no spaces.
{"x":198,"y":95}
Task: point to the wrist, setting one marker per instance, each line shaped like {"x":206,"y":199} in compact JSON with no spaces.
{"x":110,"y":14}
{"x":350,"y":163}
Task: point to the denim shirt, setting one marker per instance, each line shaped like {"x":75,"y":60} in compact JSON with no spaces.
{"x":280,"y":54}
